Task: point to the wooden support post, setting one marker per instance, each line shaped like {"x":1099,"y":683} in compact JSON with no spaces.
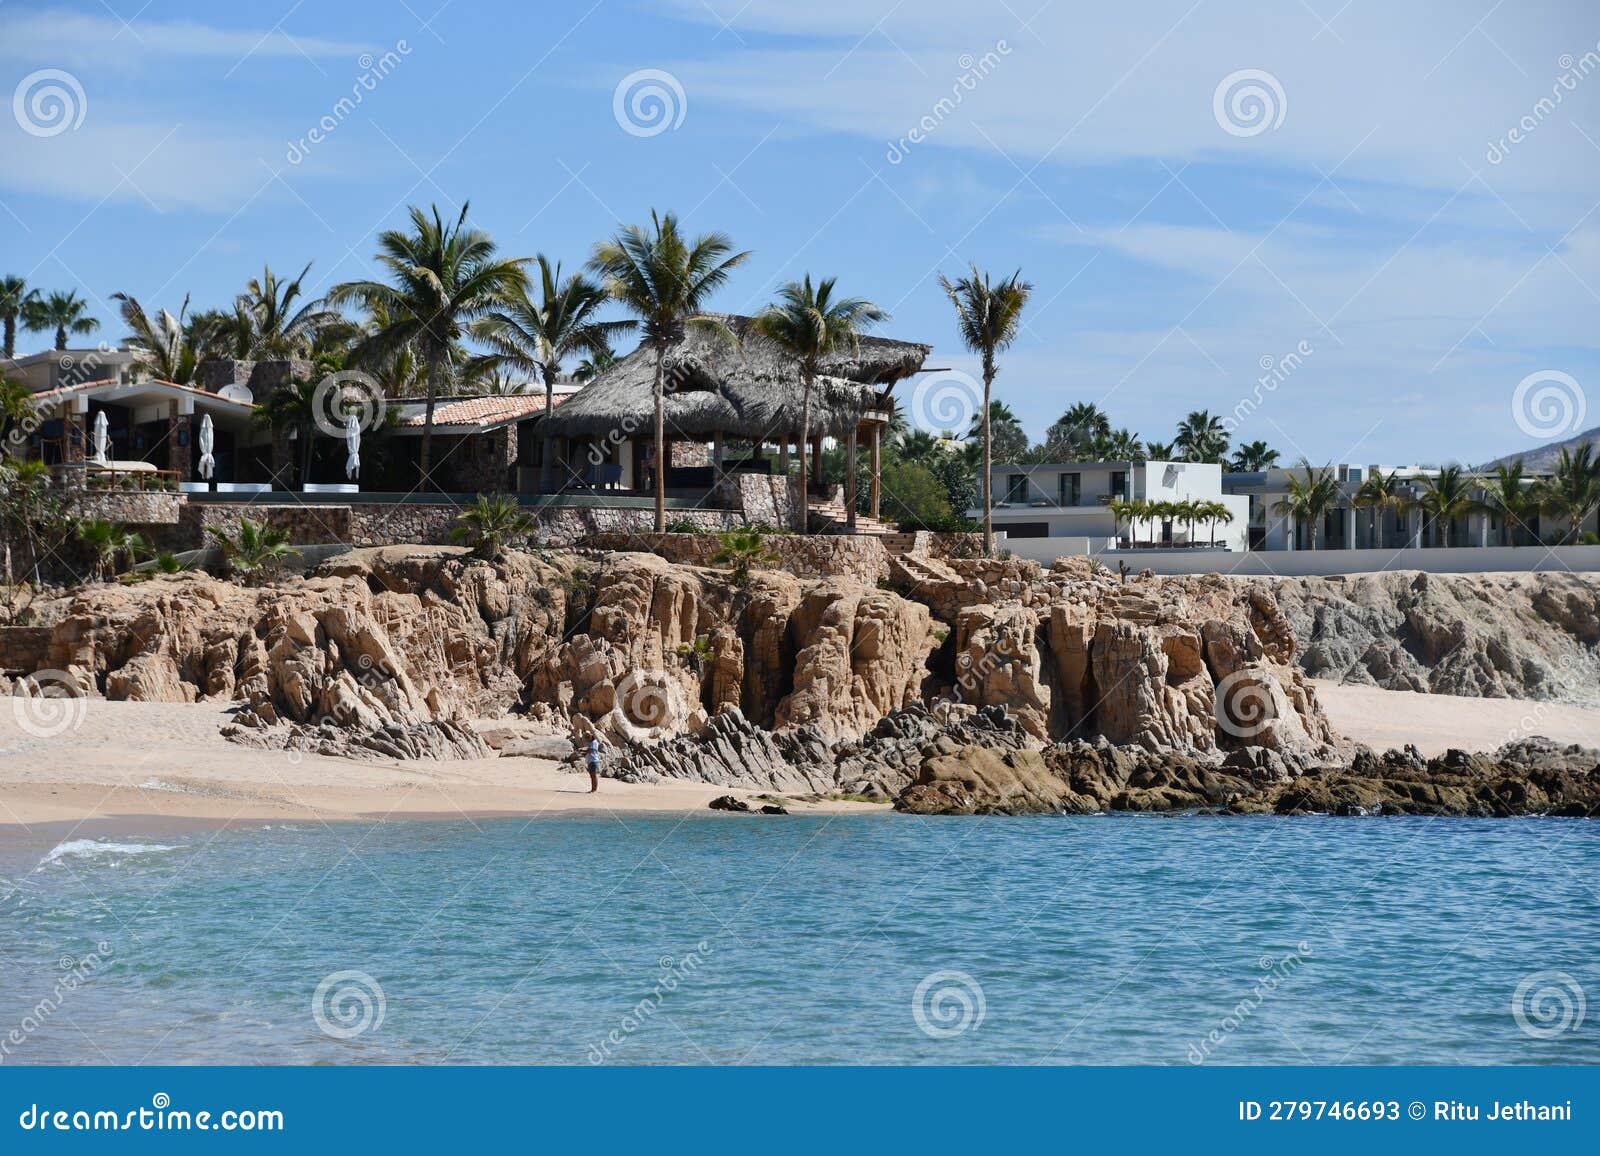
{"x":850,"y":481}
{"x":875,"y":482}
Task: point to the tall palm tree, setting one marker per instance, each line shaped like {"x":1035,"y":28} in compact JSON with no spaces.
{"x":918,"y":445}
{"x":987,"y":317}
{"x":536,"y":337}
{"x":1510,"y":493}
{"x":1382,"y":495}
{"x":1202,"y":438}
{"x":595,"y":364}
{"x":166,"y":346}
{"x":1253,"y":457}
{"x":1120,"y":445}
{"x":269,"y":323}
{"x":1309,"y":497}
{"x":15,"y":299}
{"x":66,"y":313}
{"x":809,"y":323}
{"x":293,"y":407}
{"x":1447,"y":496}
{"x":1572,"y":492}
{"x":444,"y":277}
{"x":667,"y":280}
{"x":1160,"y":451}
{"x":1077,"y":428}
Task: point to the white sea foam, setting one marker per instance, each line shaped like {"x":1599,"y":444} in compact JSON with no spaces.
{"x":90,"y":849}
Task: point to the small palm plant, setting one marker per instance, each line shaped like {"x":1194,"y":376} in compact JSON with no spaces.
{"x":169,"y":563}
{"x":110,"y":540}
{"x":1381,"y":495}
{"x":490,"y":522}
{"x":1510,"y":494}
{"x":1572,"y":493}
{"x":1122,"y":513}
{"x":740,"y":550}
{"x":1214,"y":512}
{"x":1311,"y":494}
{"x":252,"y":550}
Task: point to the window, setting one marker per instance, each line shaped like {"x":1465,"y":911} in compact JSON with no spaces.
{"x":1069,"y":489}
{"x":1017,"y":488}
{"x":1119,"y":485}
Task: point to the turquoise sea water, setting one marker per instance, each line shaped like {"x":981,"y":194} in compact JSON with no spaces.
{"x":866,"y":939}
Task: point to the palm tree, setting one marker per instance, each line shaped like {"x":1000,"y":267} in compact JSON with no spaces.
{"x":1381,"y":496}
{"x":537,"y":337}
{"x":168,"y":347}
{"x":15,"y":300}
{"x":918,"y":445}
{"x":293,"y":407}
{"x":1510,"y":493}
{"x":667,"y":281}
{"x":1213,"y":512}
{"x":1074,"y":432}
{"x":490,"y":522}
{"x":1120,"y":445}
{"x":741,"y":549}
{"x":16,"y":407}
{"x":987,"y":317}
{"x":1310,"y":497}
{"x":1160,"y":451}
{"x":252,"y":549}
{"x":595,"y":364}
{"x":270,"y":325}
{"x":1123,"y":512}
{"x":1448,"y":496}
{"x":809,"y":324}
{"x":444,"y":278}
{"x":1572,"y":492}
{"x":1202,"y":438}
{"x":1253,"y":457}
{"x":30,"y":507}
{"x":107,"y":540}
{"x":64,"y":312}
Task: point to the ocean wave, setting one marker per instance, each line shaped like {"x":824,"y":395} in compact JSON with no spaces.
{"x":90,"y":849}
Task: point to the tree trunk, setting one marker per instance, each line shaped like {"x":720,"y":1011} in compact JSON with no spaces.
{"x":805,"y":449}
{"x":661,"y":440}
{"x":11,"y":337}
{"x":547,"y":464}
{"x":425,"y":456}
{"x":988,"y":462}
{"x":850,"y":481}
{"x":61,"y":337}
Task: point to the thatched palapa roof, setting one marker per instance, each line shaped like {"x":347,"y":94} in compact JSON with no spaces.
{"x":750,"y":391}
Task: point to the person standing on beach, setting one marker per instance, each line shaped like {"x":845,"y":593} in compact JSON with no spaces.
{"x":591,"y":756}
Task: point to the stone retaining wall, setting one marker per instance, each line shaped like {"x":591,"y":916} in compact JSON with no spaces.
{"x":133,"y":507}
{"x":806,"y":556}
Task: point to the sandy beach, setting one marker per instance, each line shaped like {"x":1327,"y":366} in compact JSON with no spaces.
{"x":168,"y":761}
{"x":164,"y":761}
{"x":1437,"y":722}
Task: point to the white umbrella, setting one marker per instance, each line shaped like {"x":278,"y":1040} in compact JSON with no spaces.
{"x":352,"y":443}
{"x":208,"y":441}
{"x":102,"y":437}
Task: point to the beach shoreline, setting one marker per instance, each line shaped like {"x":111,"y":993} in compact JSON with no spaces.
{"x":132,"y":766}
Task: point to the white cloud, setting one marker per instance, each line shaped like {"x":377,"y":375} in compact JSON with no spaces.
{"x":67,"y":39}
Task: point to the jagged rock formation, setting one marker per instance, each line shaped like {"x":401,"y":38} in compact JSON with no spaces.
{"x":1486,"y":635}
{"x":1531,"y":777}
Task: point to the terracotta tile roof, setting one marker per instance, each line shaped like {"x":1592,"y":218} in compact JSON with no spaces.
{"x":485,"y":411}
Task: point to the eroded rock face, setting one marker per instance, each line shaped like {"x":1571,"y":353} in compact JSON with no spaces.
{"x":1487,"y":635}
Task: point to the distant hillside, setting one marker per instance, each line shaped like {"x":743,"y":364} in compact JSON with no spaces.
{"x":1542,"y":459}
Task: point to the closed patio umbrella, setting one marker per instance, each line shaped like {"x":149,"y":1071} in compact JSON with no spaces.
{"x":102,"y":437}
{"x":208,"y":439}
{"x":352,"y":443}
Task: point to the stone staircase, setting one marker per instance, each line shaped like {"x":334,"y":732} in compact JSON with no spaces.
{"x":830,"y":517}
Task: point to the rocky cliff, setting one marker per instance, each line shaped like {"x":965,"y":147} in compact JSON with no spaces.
{"x":1486,"y":635}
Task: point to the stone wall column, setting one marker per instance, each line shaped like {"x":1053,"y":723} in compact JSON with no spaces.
{"x":180,"y":442}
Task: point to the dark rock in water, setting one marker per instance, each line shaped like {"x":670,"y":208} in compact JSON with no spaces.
{"x":773,"y":809}
{"x":728,"y":803}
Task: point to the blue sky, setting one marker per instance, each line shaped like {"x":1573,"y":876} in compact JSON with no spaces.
{"x":1380,"y":218}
